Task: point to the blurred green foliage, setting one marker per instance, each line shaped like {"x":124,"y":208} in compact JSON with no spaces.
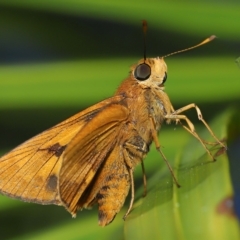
{"x":58,"y":57}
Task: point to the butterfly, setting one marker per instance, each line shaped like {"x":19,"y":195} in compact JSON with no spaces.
{"x":90,"y":157}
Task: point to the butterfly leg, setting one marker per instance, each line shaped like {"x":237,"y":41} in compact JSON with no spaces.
{"x":191,"y":130}
{"x":130,"y":170}
{"x":157,"y":144}
{"x":137,"y":148}
{"x":144,"y":180}
{"x":134,"y":151}
{"x":200,"y":117}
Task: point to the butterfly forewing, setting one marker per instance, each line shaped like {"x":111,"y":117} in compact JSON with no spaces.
{"x":26,"y":171}
{"x":31,"y":171}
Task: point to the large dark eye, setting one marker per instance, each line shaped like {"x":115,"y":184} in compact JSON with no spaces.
{"x":164,"y":78}
{"x":142,"y":72}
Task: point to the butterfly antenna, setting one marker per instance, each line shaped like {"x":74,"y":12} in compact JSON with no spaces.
{"x":187,"y":49}
{"x":144,"y":27}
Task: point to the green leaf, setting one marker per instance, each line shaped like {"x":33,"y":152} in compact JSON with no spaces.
{"x":190,"y":212}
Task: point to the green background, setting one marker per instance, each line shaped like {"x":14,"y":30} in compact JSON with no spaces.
{"x":58,"y":57}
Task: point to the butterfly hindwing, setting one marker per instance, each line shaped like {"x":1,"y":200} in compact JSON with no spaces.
{"x":87,"y":151}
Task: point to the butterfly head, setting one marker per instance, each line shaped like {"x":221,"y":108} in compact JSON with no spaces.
{"x":151,"y":72}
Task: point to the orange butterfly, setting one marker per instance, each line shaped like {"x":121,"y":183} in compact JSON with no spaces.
{"x":89,"y":158}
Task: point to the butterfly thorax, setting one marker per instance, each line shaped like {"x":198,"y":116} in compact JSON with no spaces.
{"x":147,"y":99}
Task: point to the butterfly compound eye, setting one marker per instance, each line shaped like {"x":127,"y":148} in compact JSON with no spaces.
{"x":142,"y":72}
{"x":165,"y":78}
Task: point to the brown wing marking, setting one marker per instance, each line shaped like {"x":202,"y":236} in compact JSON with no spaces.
{"x":86,"y":152}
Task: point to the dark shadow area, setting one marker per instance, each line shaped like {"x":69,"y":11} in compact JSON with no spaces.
{"x":29,"y":35}
{"x":29,"y":218}
{"x":234,"y":156}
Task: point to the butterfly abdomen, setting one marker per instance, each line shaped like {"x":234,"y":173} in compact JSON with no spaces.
{"x":112,"y":195}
